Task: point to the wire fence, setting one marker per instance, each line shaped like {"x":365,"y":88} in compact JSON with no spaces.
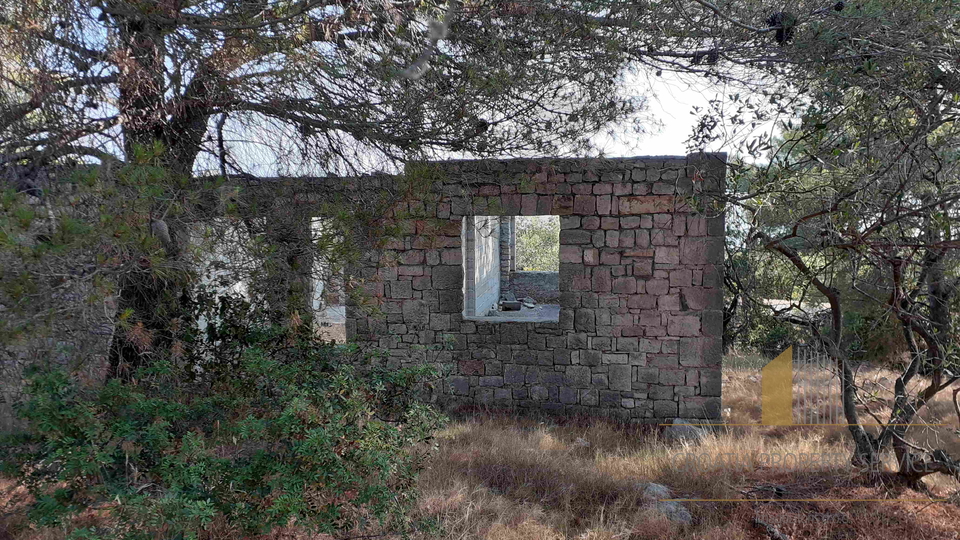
{"x":816,"y":387}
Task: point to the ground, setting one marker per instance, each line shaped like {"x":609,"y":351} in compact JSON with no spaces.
{"x":499,"y":477}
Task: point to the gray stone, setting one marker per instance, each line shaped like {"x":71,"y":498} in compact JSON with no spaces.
{"x":447,"y":277}
{"x":619,"y":378}
{"x":578,"y":376}
{"x":568,"y":395}
{"x":664,"y":408}
{"x":459,"y":385}
{"x":539,"y":393}
{"x":683,"y":431}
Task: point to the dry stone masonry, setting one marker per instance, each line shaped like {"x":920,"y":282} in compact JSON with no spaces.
{"x":641,"y":252}
{"x":639,"y":324}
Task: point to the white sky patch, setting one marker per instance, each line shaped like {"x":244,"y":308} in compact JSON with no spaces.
{"x":671,"y":102}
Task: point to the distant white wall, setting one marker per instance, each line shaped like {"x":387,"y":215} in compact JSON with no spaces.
{"x":481,"y":265}
{"x":488,"y":263}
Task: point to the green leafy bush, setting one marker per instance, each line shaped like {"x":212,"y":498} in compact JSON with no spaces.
{"x":538,"y":243}
{"x":248,"y":427}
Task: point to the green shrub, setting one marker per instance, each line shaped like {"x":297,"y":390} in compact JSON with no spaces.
{"x":250,"y":427}
{"x":538,"y":243}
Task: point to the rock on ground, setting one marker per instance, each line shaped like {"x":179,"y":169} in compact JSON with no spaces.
{"x":673,"y":510}
{"x":681,"y":430}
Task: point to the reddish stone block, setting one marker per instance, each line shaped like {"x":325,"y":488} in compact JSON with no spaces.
{"x":604,"y":204}
{"x":471,"y":367}
{"x":562,"y":205}
{"x":647,"y":204}
{"x":683,"y":325}
{"x":585,"y":204}
{"x":489,"y":190}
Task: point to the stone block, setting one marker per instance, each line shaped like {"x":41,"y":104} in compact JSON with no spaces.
{"x":605,"y":205}
{"x":702,"y":298}
{"x":627,"y":344}
{"x":665,"y":409}
{"x":657,"y":286}
{"x":512,"y":334}
{"x":568,"y":395}
{"x":681,"y":278}
{"x":609,"y":398}
{"x":615,"y":358}
{"x":643,"y":268}
{"x":514,"y":374}
{"x":612,"y":239}
{"x":601,"y":280}
{"x":545,"y":205}
{"x":578,"y":376}
{"x":669,"y":302}
{"x":575,"y":236}
{"x":629,"y":222}
{"x":447,"y":277}
{"x":648,"y":204}
{"x":451,"y":301}
{"x":609,"y":257}
{"x":648,"y":374}
{"x":422,"y":283}
{"x":562,"y":205}
{"x":711,"y":383}
{"x":667,"y":255}
{"x":712,"y":323}
{"x":625,"y":285}
{"x":400,"y":289}
{"x":511,"y":204}
{"x":496,"y":381}
{"x":663,"y":360}
{"x":585,"y":320}
{"x":471,"y":367}
{"x":415,"y":312}
{"x":672,"y":377}
{"x":570,"y":222}
{"x":414,"y":256}
{"x":683,"y":325}
{"x":700,"y":407}
{"x":585,"y":205}
{"x":591,"y":256}
{"x":571,"y":254}
{"x":590,"y":358}
{"x":528,"y":205}
{"x":620,"y":378}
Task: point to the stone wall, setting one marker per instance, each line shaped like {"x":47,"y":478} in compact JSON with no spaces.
{"x":641,"y":252}
{"x":508,"y":249}
{"x":544,"y":287}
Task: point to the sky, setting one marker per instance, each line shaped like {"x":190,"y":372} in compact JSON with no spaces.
{"x":671,"y":102}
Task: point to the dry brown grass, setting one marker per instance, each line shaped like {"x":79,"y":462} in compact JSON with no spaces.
{"x":503,"y":478}
{"x":499,"y":477}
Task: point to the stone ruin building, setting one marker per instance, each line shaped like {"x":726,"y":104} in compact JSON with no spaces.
{"x":636,"y":328}
{"x":630,"y":326}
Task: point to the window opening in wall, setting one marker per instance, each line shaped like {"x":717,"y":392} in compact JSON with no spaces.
{"x":232,"y":266}
{"x":511,"y":268}
{"x":329,"y":310}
